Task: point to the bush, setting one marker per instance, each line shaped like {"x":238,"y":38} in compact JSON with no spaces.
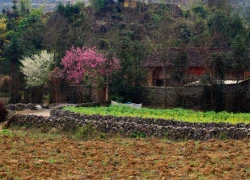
{"x":138,"y":135}
{"x":3,"y":112}
{"x":86,"y":132}
{"x":4,"y":83}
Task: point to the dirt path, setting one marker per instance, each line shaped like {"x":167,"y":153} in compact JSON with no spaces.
{"x":42,"y":112}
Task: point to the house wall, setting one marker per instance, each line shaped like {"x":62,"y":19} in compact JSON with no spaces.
{"x":154,"y":96}
{"x":150,"y":78}
{"x":233,"y":97}
{"x":234,"y":76}
{"x":157,"y":75}
{"x":72,"y":94}
{"x":246,"y":74}
{"x":191,"y":74}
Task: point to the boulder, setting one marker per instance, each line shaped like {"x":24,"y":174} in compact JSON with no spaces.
{"x":3,"y":112}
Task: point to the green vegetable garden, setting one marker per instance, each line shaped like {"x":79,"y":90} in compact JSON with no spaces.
{"x":177,"y":114}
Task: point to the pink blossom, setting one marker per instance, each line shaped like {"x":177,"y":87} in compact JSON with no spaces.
{"x":79,"y":62}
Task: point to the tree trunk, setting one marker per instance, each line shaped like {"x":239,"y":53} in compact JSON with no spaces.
{"x":37,"y":95}
{"x":14,"y":85}
{"x":165,"y":84}
{"x":107,"y":92}
{"x":26,"y":95}
{"x":57,"y":91}
{"x":212,"y":91}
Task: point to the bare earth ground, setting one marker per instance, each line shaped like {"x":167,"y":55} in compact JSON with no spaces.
{"x":28,"y":154}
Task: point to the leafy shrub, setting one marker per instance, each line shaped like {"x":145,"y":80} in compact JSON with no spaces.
{"x":86,"y":132}
{"x":138,"y":135}
{"x":156,"y":18}
{"x":223,"y":136}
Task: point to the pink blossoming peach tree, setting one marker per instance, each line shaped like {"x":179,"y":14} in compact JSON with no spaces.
{"x":88,"y":62}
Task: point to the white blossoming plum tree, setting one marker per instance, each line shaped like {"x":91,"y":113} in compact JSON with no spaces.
{"x":36,"y":70}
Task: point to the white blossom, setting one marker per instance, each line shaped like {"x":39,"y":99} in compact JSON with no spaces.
{"x":36,"y":68}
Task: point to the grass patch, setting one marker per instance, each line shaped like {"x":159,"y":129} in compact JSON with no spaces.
{"x":6,"y":132}
{"x":89,"y":131}
{"x":177,"y":114}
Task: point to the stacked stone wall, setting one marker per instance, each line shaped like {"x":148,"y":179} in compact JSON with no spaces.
{"x":172,"y":129}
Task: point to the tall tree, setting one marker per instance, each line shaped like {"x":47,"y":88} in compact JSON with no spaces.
{"x":13,"y":51}
{"x":76,"y":21}
{"x":24,"y":7}
{"x":240,"y":55}
{"x":55,"y":36}
{"x":31,"y":30}
{"x":80,"y":63}
{"x":97,"y":5}
{"x":132,"y":72}
{"x":164,"y":36}
{"x":85,"y":66}
{"x":36,"y":70}
{"x":3,"y":38}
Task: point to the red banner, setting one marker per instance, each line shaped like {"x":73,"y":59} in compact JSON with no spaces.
{"x":196,"y":70}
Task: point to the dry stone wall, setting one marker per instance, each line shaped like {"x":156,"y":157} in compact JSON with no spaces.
{"x":21,"y":106}
{"x":66,"y":120}
{"x":233,"y":98}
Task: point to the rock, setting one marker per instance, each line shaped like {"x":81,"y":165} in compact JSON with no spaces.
{"x":10,"y":119}
{"x":54,"y":131}
{"x":38,"y":107}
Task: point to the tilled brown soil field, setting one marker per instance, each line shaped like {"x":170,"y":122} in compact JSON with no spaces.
{"x":25,"y":155}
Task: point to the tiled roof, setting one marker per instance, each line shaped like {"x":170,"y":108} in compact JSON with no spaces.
{"x":195,"y":56}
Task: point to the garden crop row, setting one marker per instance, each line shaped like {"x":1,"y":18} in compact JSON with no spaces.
{"x":177,"y":114}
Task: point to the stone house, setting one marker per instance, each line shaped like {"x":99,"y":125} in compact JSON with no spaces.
{"x":198,"y":63}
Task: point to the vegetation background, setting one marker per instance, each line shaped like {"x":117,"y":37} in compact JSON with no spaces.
{"x":130,"y":31}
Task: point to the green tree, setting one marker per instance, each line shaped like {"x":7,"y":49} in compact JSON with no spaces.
{"x":200,"y":11}
{"x":31,"y":30}
{"x":132,"y":72}
{"x":240,"y":55}
{"x":179,"y":65}
{"x":24,"y":7}
{"x":97,"y":5}
{"x":219,"y":28}
{"x":56,"y":36}
{"x":76,"y":21}
{"x":13,"y":51}
{"x":3,"y":38}
{"x":217,"y":3}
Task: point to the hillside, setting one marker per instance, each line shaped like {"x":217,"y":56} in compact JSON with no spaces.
{"x":49,"y":5}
